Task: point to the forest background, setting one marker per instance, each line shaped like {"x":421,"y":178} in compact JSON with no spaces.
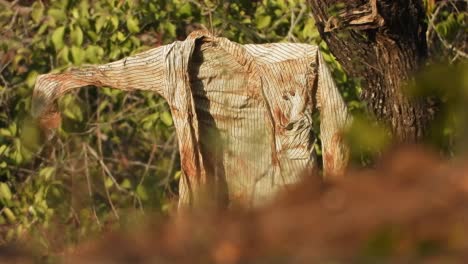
{"x":115,"y":156}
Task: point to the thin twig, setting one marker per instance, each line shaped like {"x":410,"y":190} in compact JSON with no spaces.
{"x":22,"y":10}
{"x":90,"y":191}
{"x":111,"y":177}
{"x":150,"y":159}
{"x":454,"y":6}
{"x":13,"y":19}
{"x":5,"y":65}
{"x":4,"y":81}
{"x":105,"y":171}
{"x":104,"y":168}
{"x":294,"y":20}
{"x":133,"y":163}
{"x":442,"y":40}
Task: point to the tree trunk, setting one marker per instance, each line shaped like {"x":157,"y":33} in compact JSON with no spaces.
{"x":383,"y":43}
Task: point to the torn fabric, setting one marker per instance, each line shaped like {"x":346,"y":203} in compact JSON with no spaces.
{"x":242,"y":113}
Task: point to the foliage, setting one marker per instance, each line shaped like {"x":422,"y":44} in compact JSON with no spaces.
{"x":447,"y":26}
{"x":115,"y":154}
{"x":114,"y":150}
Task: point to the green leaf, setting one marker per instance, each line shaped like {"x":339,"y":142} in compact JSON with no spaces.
{"x":75,"y":13}
{"x":93,"y":35}
{"x":185,"y":10}
{"x":309,"y":30}
{"x":100,"y":23}
{"x":166,"y":118}
{"x":142,"y":193}
{"x":18,"y":157}
{"x":42,"y":29}
{"x":2,"y":149}
{"x":108,"y":182}
{"x":84,"y":7}
{"x":57,"y":14}
{"x":5,"y":192}
{"x":57,"y":38}
{"x":72,"y":109}
{"x":30,"y":136}
{"x":31,"y":79}
{"x":132,"y":25}
{"x":47,"y":172}
{"x":263,"y":22}
{"x":63,"y":55}
{"x":37,"y":11}
{"x":5,"y":132}
{"x":281,"y":4}
{"x":120,"y":36}
{"x":177,"y":175}
{"x":39,"y":195}
{"x":461,"y":18}
{"x":102,"y":105}
{"x":170,"y":28}
{"x":151,"y":118}
{"x":115,"y":22}
{"x":13,"y":128}
{"x":77,"y":36}
{"x":9,"y":214}
{"x":126,"y":184}
{"x":78,"y":55}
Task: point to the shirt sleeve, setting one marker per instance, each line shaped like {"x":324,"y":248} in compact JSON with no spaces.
{"x":143,"y":71}
{"x":334,"y":118}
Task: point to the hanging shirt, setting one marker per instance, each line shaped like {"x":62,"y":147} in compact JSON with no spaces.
{"x":242,"y":113}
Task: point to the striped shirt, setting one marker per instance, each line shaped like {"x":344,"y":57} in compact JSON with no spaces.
{"x":242,"y":113}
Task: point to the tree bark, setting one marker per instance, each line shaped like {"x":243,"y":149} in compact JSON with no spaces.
{"x":383,"y":43}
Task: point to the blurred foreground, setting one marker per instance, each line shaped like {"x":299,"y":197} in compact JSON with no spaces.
{"x":115,"y":155}
{"x":411,"y":207}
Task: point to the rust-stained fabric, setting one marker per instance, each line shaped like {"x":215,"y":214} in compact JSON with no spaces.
{"x":242,"y":113}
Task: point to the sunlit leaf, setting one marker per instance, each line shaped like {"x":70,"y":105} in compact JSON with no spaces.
{"x":100,"y":23}
{"x":126,"y":184}
{"x":263,"y":22}
{"x":37,"y":11}
{"x":47,"y":172}
{"x":5,"y":192}
{"x":166,"y":118}
{"x":2,"y":149}
{"x":108,"y":182}
{"x":57,"y":14}
{"x":57,"y":38}
{"x":76,"y":36}
{"x":31,"y":79}
{"x":78,"y":55}
{"x":9,"y":214}
{"x":64,"y":54}
{"x":170,"y":28}
{"x":115,"y":22}
{"x":132,"y":25}
{"x":185,"y":10}
{"x":142,"y":193}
